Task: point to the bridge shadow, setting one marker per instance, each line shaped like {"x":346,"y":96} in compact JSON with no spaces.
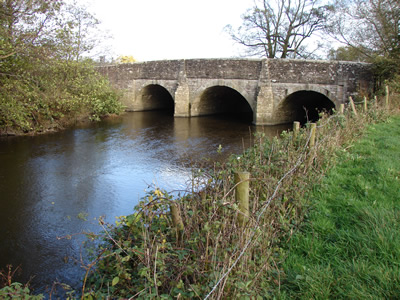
{"x":156,"y":97}
{"x":306,"y":106}
{"x":225,"y":102}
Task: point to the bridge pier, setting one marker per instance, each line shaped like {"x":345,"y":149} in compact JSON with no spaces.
{"x":264,"y":111}
{"x":182,"y":101}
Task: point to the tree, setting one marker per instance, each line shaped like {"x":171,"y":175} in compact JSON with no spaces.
{"x":279,"y":28}
{"x":44,"y":76}
{"x":125,"y":59}
{"x":77,"y":32}
{"x":347,"y":53}
{"x":24,"y":25}
{"x":51,"y":27}
{"x":372,"y":27}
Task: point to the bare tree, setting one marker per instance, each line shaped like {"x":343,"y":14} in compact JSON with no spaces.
{"x":279,"y":28}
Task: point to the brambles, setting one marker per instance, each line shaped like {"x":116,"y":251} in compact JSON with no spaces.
{"x":146,"y":255}
{"x":14,"y":290}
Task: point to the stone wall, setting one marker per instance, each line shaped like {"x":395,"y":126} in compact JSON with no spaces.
{"x":223,"y":68}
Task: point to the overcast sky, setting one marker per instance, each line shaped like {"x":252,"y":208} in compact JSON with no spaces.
{"x":170,"y":29}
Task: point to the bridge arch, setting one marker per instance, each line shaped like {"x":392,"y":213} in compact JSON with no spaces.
{"x":221,"y":99}
{"x":155,"y":97}
{"x":305,"y":106}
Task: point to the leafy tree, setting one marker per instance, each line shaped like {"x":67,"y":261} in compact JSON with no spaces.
{"x":347,"y":53}
{"x":125,"y":59}
{"x":77,"y":32}
{"x":370,"y":26}
{"x":45,"y":80}
{"x":279,"y":28}
{"x":24,"y":25}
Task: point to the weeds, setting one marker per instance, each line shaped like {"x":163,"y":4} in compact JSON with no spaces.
{"x":207,"y":254}
{"x":14,"y":290}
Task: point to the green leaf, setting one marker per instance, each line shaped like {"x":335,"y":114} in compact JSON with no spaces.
{"x":115,"y":281}
{"x":126,"y":258}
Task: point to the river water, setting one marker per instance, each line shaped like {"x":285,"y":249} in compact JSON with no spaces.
{"x":57,"y":185}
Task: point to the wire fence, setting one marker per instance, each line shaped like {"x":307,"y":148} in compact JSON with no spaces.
{"x":299,"y":161}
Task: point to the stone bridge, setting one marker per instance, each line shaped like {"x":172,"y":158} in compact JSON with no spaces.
{"x":268,"y":91}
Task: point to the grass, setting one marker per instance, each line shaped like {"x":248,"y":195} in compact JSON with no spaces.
{"x":349,"y":247}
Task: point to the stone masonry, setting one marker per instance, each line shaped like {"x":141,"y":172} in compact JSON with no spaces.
{"x":265,"y":84}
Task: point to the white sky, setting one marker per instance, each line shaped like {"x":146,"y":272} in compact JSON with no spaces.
{"x":170,"y":29}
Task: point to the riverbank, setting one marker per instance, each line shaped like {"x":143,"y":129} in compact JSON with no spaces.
{"x":349,"y":245}
{"x":197,"y":245}
{"x":60,"y":94}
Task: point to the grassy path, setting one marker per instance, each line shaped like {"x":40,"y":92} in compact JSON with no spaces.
{"x":349,"y":246}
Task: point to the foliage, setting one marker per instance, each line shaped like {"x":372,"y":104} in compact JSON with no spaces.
{"x":370,"y":26}
{"x":14,"y":290}
{"x":24,"y":25}
{"x":125,"y":59}
{"x":349,"y":246}
{"x":347,"y":53}
{"x":18,"y":291}
{"x":385,"y":70}
{"x":279,"y":28}
{"x":54,"y":95}
{"x":45,"y":83}
{"x":205,"y":251}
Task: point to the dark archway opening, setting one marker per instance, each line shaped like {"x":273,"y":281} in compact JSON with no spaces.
{"x":156,"y":97}
{"x":225,"y":101}
{"x":306,"y":106}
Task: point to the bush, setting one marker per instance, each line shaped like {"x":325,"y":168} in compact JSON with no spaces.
{"x":54,"y":95}
{"x":18,"y":291}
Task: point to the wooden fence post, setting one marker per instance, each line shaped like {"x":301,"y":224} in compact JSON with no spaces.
{"x":365,"y":104}
{"x":313,"y":131}
{"x":176,"y":219}
{"x":341,"y":108}
{"x":353,"y":107}
{"x":242,"y":196}
{"x":296,"y":128}
{"x":387,"y":97}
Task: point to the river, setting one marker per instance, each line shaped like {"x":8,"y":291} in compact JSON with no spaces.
{"x":53,"y":187}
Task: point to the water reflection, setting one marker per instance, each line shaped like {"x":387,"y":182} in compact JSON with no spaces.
{"x":49,"y":184}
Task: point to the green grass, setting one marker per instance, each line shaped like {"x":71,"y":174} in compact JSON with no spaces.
{"x":349,"y":246}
